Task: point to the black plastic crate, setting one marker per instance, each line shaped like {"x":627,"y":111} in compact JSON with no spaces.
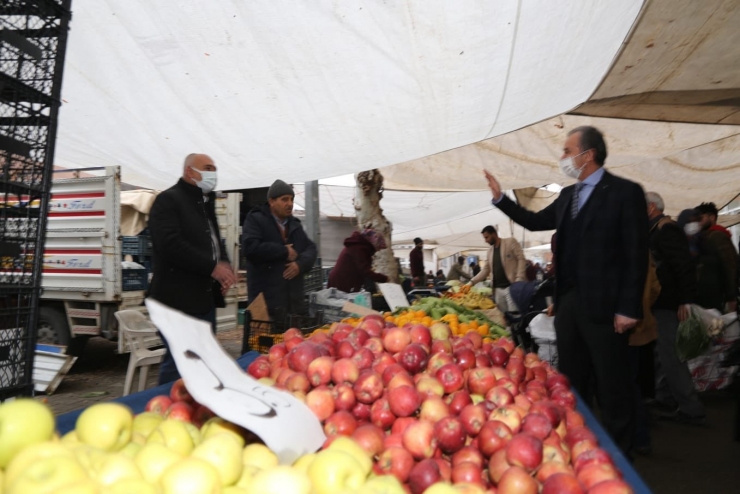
{"x":313,"y":280}
{"x":16,"y":354}
{"x":134,"y":279}
{"x":140,"y":245}
{"x":261,"y":335}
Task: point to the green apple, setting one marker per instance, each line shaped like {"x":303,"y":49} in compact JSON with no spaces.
{"x":334,"y":470}
{"x":175,"y":435}
{"x":106,"y":426}
{"x":217,"y":425}
{"x":115,"y":467}
{"x":233,"y":489}
{"x":131,"y":487}
{"x":88,"y":456}
{"x":23,"y":422}
{"x":349,"y":446}
{"x":48,"y":476}
{"x":224,"y":453}
{"x":31,"y":455}
{"x":87,"y":486}
{"x":260,"y":456}
{"x":190,"y":476}
{"x":279,"y":480}
{"x":146,"y":422}
{"x":248,"y":474}
{"x":70,"y":439}
{"x":302,"y":463}
{"x":131,"y":449}
{"x":194,"y":433}
{"x":154,"y":459}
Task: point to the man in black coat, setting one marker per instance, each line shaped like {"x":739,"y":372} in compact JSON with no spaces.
{"x":677,"y":275}
{"x":191,"y":269}
{"x":601,"y":255}
{"x":278,"y":252}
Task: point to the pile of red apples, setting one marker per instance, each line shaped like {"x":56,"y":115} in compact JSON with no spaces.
{"x":430,"y":407}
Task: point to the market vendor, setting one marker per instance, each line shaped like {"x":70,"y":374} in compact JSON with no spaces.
{"x":354,"y":268}
{"x":278,"y":252}
{"x":506,"y":265}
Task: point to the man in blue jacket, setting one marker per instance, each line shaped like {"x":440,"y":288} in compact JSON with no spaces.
{"x":278,"y":252}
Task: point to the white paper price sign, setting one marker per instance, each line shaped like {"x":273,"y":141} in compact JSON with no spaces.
{"x":284,"y":423}
{"x":394,"y":295}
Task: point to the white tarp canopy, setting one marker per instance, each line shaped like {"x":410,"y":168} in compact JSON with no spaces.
{"x":306,"y":90}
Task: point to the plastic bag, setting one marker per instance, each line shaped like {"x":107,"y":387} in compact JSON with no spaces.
{"x":691,"y":339}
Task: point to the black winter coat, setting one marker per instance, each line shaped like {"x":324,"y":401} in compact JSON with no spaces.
{"x":674,"y":266}
{"x":613,"y":261}
{"x":266,"y":255}
{"x":183,"y":250}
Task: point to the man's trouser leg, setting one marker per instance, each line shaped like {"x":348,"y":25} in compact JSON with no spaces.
{"x":504,"y":302}
{"x":168,"y":369}
{"x":676,"y":373}
{"x":595,"y":349}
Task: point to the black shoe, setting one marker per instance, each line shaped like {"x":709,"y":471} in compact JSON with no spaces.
{"x":684,"y":418}
{"x":662,"y":408}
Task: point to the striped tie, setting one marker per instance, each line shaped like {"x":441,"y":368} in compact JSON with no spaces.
{"x":574,"y":202}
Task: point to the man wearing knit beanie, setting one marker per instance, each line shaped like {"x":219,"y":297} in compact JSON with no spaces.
{"x":278,"y":253}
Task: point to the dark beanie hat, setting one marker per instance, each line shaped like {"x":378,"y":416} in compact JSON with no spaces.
{"x":279,"y":189}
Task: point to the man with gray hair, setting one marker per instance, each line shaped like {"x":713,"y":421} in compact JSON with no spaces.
{"x":191,"y":269}
{"x":669,"y":248}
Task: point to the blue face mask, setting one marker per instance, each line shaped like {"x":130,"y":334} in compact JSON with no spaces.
{"x":207,"y":182}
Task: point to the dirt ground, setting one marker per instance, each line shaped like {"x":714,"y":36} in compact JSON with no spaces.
{"x":685,"y":459}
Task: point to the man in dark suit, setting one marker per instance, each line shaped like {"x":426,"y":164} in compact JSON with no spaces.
{"x":601,"y":254}
{"x":191,"y":269}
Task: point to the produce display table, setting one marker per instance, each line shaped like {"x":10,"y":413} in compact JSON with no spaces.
{"x":138,"y":401}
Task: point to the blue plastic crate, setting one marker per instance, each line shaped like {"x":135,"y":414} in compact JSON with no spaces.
{"x":134,"y":279}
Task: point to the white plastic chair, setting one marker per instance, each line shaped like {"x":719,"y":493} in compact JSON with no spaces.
{"x":135,"y":327}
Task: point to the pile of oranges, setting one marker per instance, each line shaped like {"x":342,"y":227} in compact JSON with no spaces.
{"x":420,"y":317}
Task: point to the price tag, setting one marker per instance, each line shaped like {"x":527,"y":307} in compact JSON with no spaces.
{"x":286,"y":425}
{"x":394,"y":295}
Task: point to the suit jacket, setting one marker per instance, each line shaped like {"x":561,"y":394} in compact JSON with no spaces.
{"x":612,"y":265}
{"x":512,"y":258}
{"x":183,"y":250}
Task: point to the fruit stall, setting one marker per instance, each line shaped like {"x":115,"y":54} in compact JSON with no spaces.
{"x":417,"y":408}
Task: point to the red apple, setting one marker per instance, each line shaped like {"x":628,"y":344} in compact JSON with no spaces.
{"x":344,"y":370}
{"x":554,"y":453}
{"x":451,"y":377}
{"x":358,"y":337}
{"x":555,"y":380}
{"x":393,"y":441}
{"x":381,"y":415}
{"x":467,"y":454}
{"x":581,"y":447}
{"x":537,"y":425}
{"x":158,"y":404}
{"x":593,"y":474}
{"x":518,"y":353}
{"x":476,"y":339}
{"x":401,"y":379}
{"x":499,"y":396}
{"x":493,"y":437}
{"x":298,"y":382}
{"x":433,"y":409}
{"x":497,"y":466}
{"x":509,"y":417}
{"x":515,"y":368}
{"x":391,"y":371}
{"x":363,"y":358}
{"x":613,"y":486}
{"x":179,"y":392}
{"x":341,"y":332}
{"x":413,"y":358}
{"x":523,"y":402}
{"x":458,"y":400}
{"x":375,"y":345}
{"x":482,"y":360}
{"x":180,"y":410}
{"x":340,"y":423}
{"x":404,"y":401}
{"x":441,"y":346}
{"x":283,"y":377}
{"x":321,"y":402}
{"x":524,"y":450}
{"x":419,"y":439}
{"x":549,"y":410}
{"x":420,"y":334}
{"x":345,"y":349}
{"x":429,"y":386}
{"x":362,"y":412}
{"x":401,"y":424}
{"x":450,"y":434}
{"x":259,"y":368}
{"x":550,"y":468}
{"x":499,"y":356}
{"x":573,"y":419}
{"x":292,"y":333}
{"x":395,"y":461}
{"x":370,"y":438}
{"x":303,"y":354}
{"x":563,"y":397}
{"x":464,"y":358}
{"x":445,"y":469}
{"x":201,"y":415}
{"x":319,"y":371}
{"x":277,"y":352}
{"x":578,"y":434}
{"x":506,"y":382}
{"x":480,"y":380}
{"x":596,"y":455}
{"x":467,"y":472}
{"x":396,"y":339}
{"x":440,"y":331}
{"x":372,"y":326}
{"x":382,"y":362}
{"x":473,"y":417}
{"x":423,"y":475}
{"x":369,"y":387}
{"x":517,"y":480}
{"x":292,"y":342}
{"x":437,"y":361}
{"x":344,"y":396}
{"x":562,"y":483}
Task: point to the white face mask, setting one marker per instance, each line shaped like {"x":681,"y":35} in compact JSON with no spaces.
{"x":208,"y":180}
{"x":569,"y":168}
{"x":692,"y":228}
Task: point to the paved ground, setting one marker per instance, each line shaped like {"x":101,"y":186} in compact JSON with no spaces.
{"x":685,"y":459}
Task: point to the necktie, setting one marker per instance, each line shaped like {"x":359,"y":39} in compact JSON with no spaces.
{"x":574,"y":201}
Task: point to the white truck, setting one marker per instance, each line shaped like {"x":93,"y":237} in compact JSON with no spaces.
{"x":82,"y":277}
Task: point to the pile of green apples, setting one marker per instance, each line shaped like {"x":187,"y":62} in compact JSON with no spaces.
{"x":111,"y":451}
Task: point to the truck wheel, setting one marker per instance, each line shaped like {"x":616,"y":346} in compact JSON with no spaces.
{"x":52,"y":328}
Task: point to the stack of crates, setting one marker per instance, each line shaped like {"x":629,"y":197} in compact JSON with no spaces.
{"x":139,"y":247}
{"x":33,"y":38}
{"x":261,"y":335}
